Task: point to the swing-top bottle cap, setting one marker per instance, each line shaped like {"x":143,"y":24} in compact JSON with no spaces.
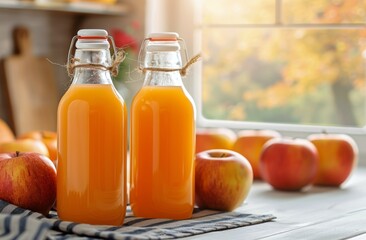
{"x":163,"y":41}
{"x":92,"y":39}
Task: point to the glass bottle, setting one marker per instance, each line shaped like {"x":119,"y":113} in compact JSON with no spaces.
{"x":92,"y":140}
{"x":162,"y":134}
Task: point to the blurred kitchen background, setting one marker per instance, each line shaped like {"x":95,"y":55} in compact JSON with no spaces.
{"x":35,"y":37}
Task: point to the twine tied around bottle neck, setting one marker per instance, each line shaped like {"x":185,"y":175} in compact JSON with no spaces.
{"x":119,"y":57}
{"x":183,"y":71}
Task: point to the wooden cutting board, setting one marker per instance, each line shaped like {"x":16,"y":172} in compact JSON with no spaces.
{"x":31,"y":87}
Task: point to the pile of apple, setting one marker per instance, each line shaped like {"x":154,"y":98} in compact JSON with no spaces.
{"x":226,"y":164}
{"x":287,"y":164}
{"x":27,"y":169}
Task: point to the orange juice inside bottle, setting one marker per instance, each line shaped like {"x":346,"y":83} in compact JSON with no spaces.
{"x":91,"y":155}
{"x":162,"y":153}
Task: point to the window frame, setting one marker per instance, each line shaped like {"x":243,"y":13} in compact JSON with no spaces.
{"x":180,"y":17}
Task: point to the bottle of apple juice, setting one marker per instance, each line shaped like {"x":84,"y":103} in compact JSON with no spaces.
{"x":92,"y":120}
{"x":162,"y":134}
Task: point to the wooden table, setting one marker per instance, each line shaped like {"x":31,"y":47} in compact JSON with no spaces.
{"x":316,"y":213}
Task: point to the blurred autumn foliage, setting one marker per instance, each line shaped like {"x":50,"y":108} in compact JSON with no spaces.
{"x":306,"y":67}
{"x":124,"y":39}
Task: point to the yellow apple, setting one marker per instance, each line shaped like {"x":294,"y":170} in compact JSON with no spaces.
{"x":24,"y":145}
{"x":249,"y":143}
{"x":49,"y":138}
{"x":223,"y":179}
{"x":337,"y":158}
{"x":214,"y":138}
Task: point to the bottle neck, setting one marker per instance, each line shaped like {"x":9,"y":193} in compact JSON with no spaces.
{"x":94,"y":66}
{"x":159,"y":65}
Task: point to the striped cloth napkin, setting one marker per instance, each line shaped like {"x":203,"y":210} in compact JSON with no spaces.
{"x":18,"y":223}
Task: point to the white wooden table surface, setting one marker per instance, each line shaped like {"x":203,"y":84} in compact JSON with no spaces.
{"x":317,"y":213}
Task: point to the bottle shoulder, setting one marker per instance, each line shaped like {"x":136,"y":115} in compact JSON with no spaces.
{"x":92,"y":92}
{"x":162,"y":92}
{"x":174,"y":96}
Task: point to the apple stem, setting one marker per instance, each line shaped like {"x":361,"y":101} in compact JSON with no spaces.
{"x":17,"y":153}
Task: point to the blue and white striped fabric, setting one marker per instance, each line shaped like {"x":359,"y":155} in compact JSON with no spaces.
{"x":18,"y":223}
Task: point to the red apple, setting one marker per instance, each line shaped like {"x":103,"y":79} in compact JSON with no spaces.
{"x":214,"y":138}
{"x":223,"y":179}
{"x":24,"y":145}
{"x":337,"y":158}
{"x":288,"y":164}
{"x":28,"y":180}
{"x":249,"y":143}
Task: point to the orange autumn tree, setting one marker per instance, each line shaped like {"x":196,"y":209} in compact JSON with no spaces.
{"x":301,"y":75}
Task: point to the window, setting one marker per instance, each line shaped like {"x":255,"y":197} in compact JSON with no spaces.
{"x":288,"y":64}
{"x":296,"y":66}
